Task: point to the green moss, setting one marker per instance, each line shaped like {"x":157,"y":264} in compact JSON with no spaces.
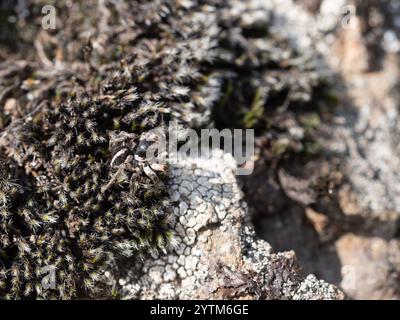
{"x":280,"y":146}
{"x":310,"y":121}
{"x":256,"y":112}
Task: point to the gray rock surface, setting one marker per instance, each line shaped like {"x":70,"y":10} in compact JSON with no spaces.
{"x":362,"y":137}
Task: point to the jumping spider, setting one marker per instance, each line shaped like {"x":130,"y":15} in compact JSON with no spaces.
{"x":129,"y":153}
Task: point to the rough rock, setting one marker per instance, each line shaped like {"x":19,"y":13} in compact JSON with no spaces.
{"x":365,"y":134}
{"x":362,"y":137}
{"x":372,"y":265}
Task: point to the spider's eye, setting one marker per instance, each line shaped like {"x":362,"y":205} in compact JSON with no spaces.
{"x":142,"y":148}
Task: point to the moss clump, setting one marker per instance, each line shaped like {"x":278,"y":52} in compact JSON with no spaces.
{"x":72,"y":209}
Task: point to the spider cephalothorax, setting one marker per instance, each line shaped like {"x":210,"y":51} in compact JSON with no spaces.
{"x":130,"y":158}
